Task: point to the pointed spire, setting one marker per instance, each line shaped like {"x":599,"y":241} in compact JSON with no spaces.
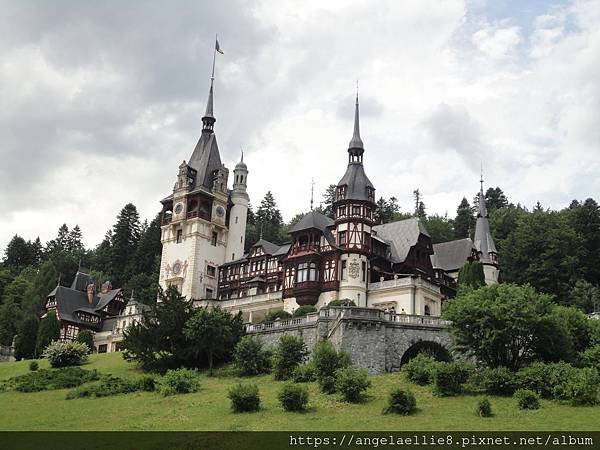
{"x":209,"y":103}
{"x":482,"y":209}
{"x":356,"y":141}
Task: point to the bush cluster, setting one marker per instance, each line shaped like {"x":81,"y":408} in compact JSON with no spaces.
{"x":327,"y":361}
{"x":497,"y":381}
{"x":109,"y":386}
{"x":401,"y":402}
{"x":327,"y":385}
{"x":420,"y":369}
{"x":304,"y":310}
{"x":63,"y":354}
{"x":33,"y":366}
{"x":484,"y":408}
{"x":50,"y":379}
{"x":179,"y":381}
{"x":289,"y":354}
{"x":304,"y":373}
{"x":591,"y":357}
{"x":293,"y":397}
{"x":244,"y":398}
{"x":448,"y":378}
{"x":527,"y":399}
{"x":352,"y":383}
{"x":250,"y":357}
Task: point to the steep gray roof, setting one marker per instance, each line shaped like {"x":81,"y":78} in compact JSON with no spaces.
{"x":81,"y":281}
{"x":356,"y":141}
{"x":282,"y":250}
{"x":484,"y":243}
{"x":401,"y":236}
{"x":269,"y":247}
{"x":205,"y":159}
{"x":451,"y":255}
{"x":313,"y":219}
{"x":357,"y":181}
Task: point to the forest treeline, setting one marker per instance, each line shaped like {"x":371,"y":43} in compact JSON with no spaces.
{"x":557,"y":252}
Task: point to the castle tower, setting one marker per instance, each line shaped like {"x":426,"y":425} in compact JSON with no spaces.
{"x":484,"y":243}
{"x":194,"y":229}
{"x":353,"y":211}
{"x":238,"y":213}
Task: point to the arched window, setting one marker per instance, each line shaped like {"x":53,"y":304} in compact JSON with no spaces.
{"x":427,"y":310}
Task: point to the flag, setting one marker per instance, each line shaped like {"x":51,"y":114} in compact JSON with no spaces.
{"x":218,"y":47}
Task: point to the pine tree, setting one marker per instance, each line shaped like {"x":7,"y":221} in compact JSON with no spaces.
{"x":464,"y":222}
{"x":419,"y":205}
{"x":126,"y":233}
{"x":60,"y":243}
{"x":42,"y":283}
{"x":48,"y":331}
{"x":326,"y":206}
{"x":38,"y":250}
{"x":86,"y":337}
{"x":495,"y":199}
{"x":19,"y":253}
{"x":74,"y":242}
{"x":441,"y":229}
{"x":10,"y":316}
{"x":269,"y":220}
{"x":585,"y":219}
{"x":471,"y":275}
{"x":26,"y":338}
{"x":148,"y":248}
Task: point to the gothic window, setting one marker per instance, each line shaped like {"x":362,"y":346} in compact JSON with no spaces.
{"x":342,"y":238}
{"x":179,"y":237}
{"x":214,"y":237}
{"x":344,"y":271}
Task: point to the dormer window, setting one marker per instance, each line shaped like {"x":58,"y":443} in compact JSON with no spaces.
{"x":341,"y":192}
{"x":371,"y":193}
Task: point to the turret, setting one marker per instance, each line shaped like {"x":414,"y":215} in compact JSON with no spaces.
{"x":238,"y":213}
{"x":484,"y":243}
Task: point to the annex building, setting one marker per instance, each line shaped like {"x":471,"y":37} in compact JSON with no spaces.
{"x":392,"y":266}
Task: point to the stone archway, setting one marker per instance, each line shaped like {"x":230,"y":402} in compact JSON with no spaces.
{"x":435,"y":349}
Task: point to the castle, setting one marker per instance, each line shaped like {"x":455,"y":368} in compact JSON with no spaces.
{"x":391,"y":266}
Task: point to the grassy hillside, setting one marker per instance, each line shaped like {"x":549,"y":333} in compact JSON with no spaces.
{"x":209,"y":409}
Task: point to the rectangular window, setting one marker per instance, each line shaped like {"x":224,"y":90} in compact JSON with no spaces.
{"x":356,"y":210}
{"x":213,"y":240}
{"x":102,"y":348}
{"x":179,"y":236}
{"x":364,"y":271}
{"x":342,"y":238}
{"x":209,"y":293}
{"x":211,"y":270}
{"x":344,"y":271}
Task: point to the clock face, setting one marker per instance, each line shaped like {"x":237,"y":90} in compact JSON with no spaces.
{"x":220,"y":211}
{"x":178,"y":208}
{"x":177,"y":268}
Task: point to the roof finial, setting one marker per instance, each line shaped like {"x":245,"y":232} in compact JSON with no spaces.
{"x":242,"y":157}
{"x":209,"y":119}
{"x":312,"y":193}
{"x":356,"y":141}
{"x":481,"y":178}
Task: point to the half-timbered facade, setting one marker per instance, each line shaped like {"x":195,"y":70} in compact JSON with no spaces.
{"x":83,"y":306}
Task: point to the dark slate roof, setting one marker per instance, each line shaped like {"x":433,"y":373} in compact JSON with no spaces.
{"x":484,"y":243}
{"x":81,"y":281}
{"x":108,"y":324}
{"x":282,"y":250}
{"x":357,"y":181}
{"x":452,"y":255}
{"x":205,"y":159}
{"x":401,"y":236}
{"x":269,"y":247}
{"x":143,"y":306}
{"x":313,"y":219}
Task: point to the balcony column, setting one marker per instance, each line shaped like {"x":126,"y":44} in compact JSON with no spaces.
{"x":250,"y":316}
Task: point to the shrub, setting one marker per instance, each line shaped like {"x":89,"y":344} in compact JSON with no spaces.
{"x":327,"y":385}
{"x":289,"y":354}
{"x":293,"y":397}
{"x":591,"y":357}
{"x":304,"y":373}
{"x":327,"y":360}
{"x":352,"y":382}
{"x":304,"y":310}
{"x":86,"y":337}
{"x":544,"y":379}
{"x":49,"y":379}
{"x":484,"y":408}
{"x":527,"y":399}
{"x":448,"y":378}
{"x":401,"y":402}
{"x":342,"y":302}
{"x":498,"y":381}
{"x":250,"y":358}
{"x":147,"y":383}
{"x":244,"y":398}
{"x":420,"y":369}
{"x":63,"y":354}
{"x":106,"y":387}
{"x":179,"y":381}
{"x":274,"y":315}
{"x":582,"y":387}
{"x":33,"y":366}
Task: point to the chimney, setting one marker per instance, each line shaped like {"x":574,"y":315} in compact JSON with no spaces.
{"x":90,"y":293}
{"x":106,"y":286}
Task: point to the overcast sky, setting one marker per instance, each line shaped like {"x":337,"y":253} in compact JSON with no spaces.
{"x":102,"y":100}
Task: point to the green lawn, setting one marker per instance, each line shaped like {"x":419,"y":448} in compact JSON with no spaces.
{"x":208,"y":410}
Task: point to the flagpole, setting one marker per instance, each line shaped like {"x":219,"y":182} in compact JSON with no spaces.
{"x":212,"y":77}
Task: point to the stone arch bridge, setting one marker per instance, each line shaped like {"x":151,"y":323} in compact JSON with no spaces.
{"x":375,"y":340}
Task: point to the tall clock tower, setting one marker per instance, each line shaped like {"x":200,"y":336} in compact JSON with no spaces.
{"x":353,"y":211}
{"x":196,"y":229}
